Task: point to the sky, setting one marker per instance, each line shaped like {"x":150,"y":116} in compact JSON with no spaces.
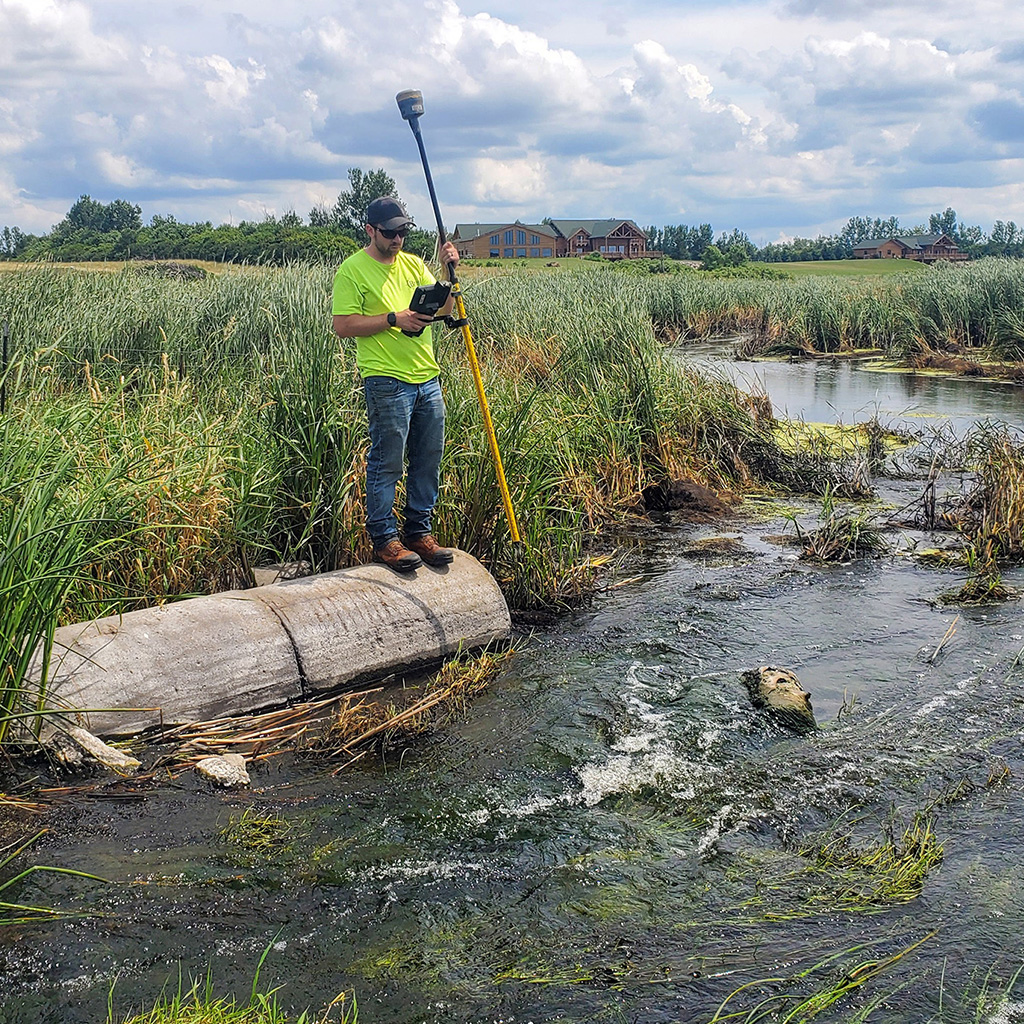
{"x":780,"y":117}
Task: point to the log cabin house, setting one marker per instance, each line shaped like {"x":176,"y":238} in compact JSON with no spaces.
{"x":613,"y":238}
{"x":923,"y":248}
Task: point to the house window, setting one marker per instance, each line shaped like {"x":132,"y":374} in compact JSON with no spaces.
{"x":494,"y":252}
{"x":494,"y":239}
{"x":520,"y":252}
{"x":535,"y":252}
{"x":534,"y":239}
{"x":545,"y":252}
{"x":508,"y":237}
{"x":520,"y":237}
{"x":508,"y":254}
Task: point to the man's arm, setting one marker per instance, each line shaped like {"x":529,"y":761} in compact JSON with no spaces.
{"x":358,"y":325}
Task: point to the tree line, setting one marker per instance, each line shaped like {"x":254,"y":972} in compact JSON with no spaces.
{"x":685,"y":242}
{"x":92,"y":230}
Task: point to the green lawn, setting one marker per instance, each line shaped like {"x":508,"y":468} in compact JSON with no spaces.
{"x":852,"y":268}
{"x":807,"y":268}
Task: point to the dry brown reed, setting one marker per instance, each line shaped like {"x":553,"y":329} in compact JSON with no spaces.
{"x":341,"y":728}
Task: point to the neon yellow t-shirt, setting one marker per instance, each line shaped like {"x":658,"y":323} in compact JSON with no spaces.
{"x":363,"y":285}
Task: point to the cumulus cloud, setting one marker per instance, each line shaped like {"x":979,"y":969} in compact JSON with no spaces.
{"x":815,"y":106}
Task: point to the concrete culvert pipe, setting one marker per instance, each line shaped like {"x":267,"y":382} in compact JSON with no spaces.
{"x":243,"y":650}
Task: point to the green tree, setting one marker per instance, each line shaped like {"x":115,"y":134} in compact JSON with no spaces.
{"x":713,"y":258}
{"x":85,"y":212}
{"x":943,"y":223}
{"x":13,"y":242}
{"x":349,"y":211}
{"x":120,"y":215}
{"x":733,"y":244}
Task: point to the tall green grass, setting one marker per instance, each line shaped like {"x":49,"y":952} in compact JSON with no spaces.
{"x":52,"y":525}
{"x":166,"y":436}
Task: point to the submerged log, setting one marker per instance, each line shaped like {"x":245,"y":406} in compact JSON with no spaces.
{"x":778,"y":691}
{"x":245,"y":650}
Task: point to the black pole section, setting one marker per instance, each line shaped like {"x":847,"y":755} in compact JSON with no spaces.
{"x":3,"y":369}
{"x":410,"y":103}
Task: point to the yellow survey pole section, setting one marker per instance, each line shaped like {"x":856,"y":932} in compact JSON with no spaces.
{"x":467,"y":337}
{"x":410,"y":104}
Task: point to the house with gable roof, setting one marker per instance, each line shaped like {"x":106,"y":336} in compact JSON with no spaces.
{"x":923,"y":248}
{"x":613,"y":238}
{"x":507,"y":241}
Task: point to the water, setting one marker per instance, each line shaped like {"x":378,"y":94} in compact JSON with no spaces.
{"x":613,"y":834}
{"x":854,"y":391}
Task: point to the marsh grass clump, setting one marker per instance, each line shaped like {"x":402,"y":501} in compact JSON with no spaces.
{"x":258,"y":835}
{"x":829,"y":460}
{"x":990,"y":517}
{"x":995,"y":511}
{"x":198,"y":1004}
{"x":840,"y":536}
{"x":53,"y":525}
{"x":984,"y":584}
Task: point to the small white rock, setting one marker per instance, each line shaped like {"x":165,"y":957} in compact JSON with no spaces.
{"x":224,"y":769}
{"x":102,"y":752}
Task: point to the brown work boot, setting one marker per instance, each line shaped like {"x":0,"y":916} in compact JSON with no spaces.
{"x":398,"y":557}
{"x":430,"y":551}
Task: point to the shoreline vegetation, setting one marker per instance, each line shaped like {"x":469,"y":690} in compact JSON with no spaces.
{"x":165,"y":435}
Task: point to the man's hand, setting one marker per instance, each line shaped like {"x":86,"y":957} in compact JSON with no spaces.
{"x":449,"y":254}
{"x":410,"y":321}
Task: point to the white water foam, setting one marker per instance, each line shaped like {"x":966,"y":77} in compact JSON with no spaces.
{"x":405,"y":869}
{"x":1008,"y":1013}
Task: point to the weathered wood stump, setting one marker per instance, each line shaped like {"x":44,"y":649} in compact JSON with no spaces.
{"x":781,"y":694}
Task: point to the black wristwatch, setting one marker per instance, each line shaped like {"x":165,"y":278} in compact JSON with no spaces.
{"x":392,"y":320}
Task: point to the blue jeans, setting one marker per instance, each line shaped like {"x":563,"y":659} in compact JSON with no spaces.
{"x":406,"y":421}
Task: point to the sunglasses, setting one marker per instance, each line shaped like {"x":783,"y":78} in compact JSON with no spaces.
{"x":388,"y":234}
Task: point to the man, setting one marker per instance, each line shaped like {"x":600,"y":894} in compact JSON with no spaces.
{"x":404,"y":405}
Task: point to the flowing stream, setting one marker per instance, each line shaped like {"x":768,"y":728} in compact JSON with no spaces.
{"x":613,"y":833}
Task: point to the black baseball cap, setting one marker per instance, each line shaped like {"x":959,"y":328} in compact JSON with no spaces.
{"x":388,"y":212}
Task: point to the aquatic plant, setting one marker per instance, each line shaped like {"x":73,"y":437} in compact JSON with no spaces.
{"x":990,"y":516}
{"x":19,"y":913}
{"x":878,"y":874}
{"x":197,"y":1004}
{"x":843,"y":874}
{"x":258,"y":834}
{"x":984,"y":584}
{"x":995,"y":509}
{"x":797,"y":1007}
{"x":840,"y":536}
